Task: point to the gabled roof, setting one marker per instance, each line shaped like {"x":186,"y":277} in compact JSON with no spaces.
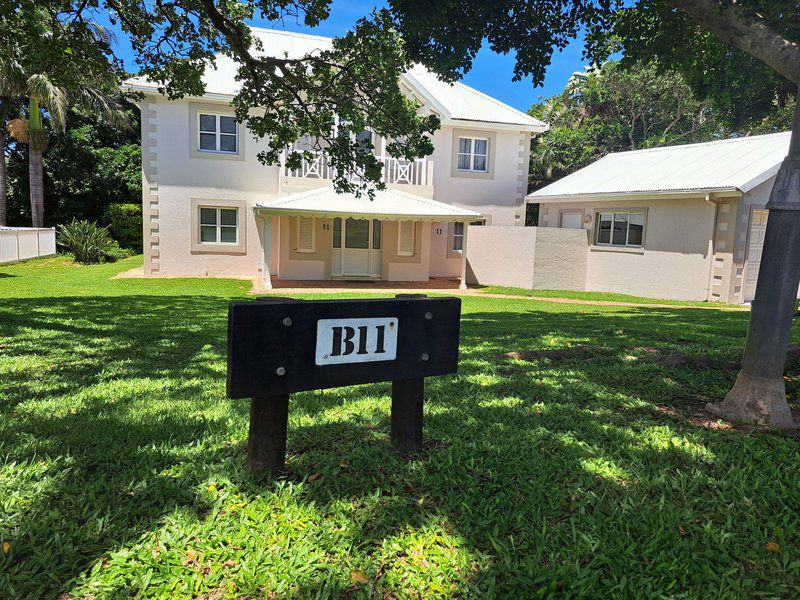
{"x":731,"y":165}
{"x":462,"y":103}
{"x":389,"y":204}
{"x":454,"y":102}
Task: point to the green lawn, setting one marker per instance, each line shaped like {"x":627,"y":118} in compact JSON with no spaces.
{"x":595,"y":296}
{"x":590,"y":473}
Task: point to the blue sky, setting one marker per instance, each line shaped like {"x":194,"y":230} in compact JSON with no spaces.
{"x":491,"y":72}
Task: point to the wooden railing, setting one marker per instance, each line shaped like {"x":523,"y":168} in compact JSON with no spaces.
{"x":395,"y":170}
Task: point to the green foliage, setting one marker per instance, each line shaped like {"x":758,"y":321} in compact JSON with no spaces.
{"x":590,"y":475}
{"x":125,"y":223}
{"x":612,"y":109}
{"x":86,"y":168}
{"x":743,"y":89}
{"x":87,"y":242}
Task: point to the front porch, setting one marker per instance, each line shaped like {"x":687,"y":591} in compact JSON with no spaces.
{"x":321,"y":239}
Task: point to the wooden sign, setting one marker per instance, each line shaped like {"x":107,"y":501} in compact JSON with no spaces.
{"x":277,"y":346}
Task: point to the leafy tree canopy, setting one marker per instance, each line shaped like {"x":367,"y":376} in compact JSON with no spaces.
{"x":611,"y":109}
{"x":752,"y":55}
{"x":288,"y":98}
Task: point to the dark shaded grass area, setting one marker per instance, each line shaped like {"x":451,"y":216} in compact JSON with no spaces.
{"x":122,"y":467}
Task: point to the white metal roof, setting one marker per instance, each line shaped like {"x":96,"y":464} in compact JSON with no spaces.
{"x":389,"y":204}
{"x":456,"y":101}
{"x":461,"y":102}
{"x":731,"y":165}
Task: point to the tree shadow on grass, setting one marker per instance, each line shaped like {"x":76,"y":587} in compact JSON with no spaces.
{"x":535,"y":475}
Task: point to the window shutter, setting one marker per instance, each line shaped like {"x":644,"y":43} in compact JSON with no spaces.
{"x":305,"y":234}
{"x":405,"y":243}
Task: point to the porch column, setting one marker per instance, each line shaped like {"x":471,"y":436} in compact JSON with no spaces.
{"x":463,"y":284}
{"x":266,"y":252}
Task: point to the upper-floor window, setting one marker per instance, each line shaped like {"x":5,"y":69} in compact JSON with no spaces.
{"x":473,"y":154}
{"x":620,"y":229}
{"x":218,"y":225}
{"x":218,"y":133}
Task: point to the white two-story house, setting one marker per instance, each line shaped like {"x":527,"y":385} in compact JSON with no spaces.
{"x":211,"y":208}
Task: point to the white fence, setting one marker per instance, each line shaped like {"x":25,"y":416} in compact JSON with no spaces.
{"x":19,"y":243}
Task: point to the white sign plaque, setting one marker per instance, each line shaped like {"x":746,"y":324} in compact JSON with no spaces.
{"x":356,"y":340}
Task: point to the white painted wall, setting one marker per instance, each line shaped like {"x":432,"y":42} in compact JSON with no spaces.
{"x":560,"y":259}
{"x":527,"y":257}
{"x":500,"y":197}
{"x":674,"y":262}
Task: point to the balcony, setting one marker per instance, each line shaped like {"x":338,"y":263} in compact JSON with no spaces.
{"x":396,"y":172}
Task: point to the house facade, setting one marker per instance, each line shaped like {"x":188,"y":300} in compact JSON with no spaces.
{"x":680,"y":222}
{"x":210,"y":207}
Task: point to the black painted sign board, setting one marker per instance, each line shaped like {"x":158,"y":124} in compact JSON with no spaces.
{"x":284,"y":346}
{"x":277,"y":346}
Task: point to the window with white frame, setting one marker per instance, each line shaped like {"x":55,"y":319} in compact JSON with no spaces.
{"x":218,"y":133}
{"x":473,"y":154}
{"x":305,"y":234}
{"x":219,"y":225}
{"x":620,"y":229}
{"x":405,"y":238}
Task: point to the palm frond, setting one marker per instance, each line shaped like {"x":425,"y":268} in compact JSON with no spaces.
{"x":12,"y":77}
{"x":51,"y":96}
{"x":107,"y":108}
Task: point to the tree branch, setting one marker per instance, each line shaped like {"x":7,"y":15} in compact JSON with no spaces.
{"x":734,"y":26}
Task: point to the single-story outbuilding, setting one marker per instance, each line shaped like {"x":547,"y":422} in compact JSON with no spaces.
{"x":683,"y":222}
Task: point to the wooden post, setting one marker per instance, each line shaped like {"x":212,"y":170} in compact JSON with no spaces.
{"x":266,"y":441}
{"x":407,"y":400}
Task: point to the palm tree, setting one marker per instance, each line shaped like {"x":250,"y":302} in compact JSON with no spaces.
{"x":4,"y":111}
{"x":44,"y":96}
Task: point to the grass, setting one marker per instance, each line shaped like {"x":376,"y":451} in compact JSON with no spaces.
{"x":595,"y":474}
{"x":594,"y":296}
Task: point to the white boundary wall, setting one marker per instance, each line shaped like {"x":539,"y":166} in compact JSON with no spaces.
{"x":537,"y":258}
{"x":20,"y":243}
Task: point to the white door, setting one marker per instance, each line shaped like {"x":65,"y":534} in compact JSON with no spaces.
{"x":758,"y":227}
{"x":361,"y":248}
{"x":572,"y":220}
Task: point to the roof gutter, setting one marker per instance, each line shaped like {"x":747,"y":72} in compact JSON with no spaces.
{"x":704,"y":193}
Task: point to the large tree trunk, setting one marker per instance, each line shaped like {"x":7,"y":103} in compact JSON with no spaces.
{"x":759,"y":395}
{"x":36,"y":179}
{"x":3,"y":179}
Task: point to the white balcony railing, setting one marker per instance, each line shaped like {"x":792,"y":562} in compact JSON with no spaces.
{"x":395,"y":170}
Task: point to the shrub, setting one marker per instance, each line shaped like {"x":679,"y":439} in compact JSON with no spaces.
{"x":125,"y":223}
{"x":88,"y":243}
{"x":115,"y":252}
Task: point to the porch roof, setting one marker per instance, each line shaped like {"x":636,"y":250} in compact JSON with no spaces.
{"x":388,"y":205}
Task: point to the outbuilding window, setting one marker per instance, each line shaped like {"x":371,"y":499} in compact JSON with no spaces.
{"x":473,"y":154}
{"x":620,"y":229}
{"x":218,"y":133}
{"x":219,"y":225}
